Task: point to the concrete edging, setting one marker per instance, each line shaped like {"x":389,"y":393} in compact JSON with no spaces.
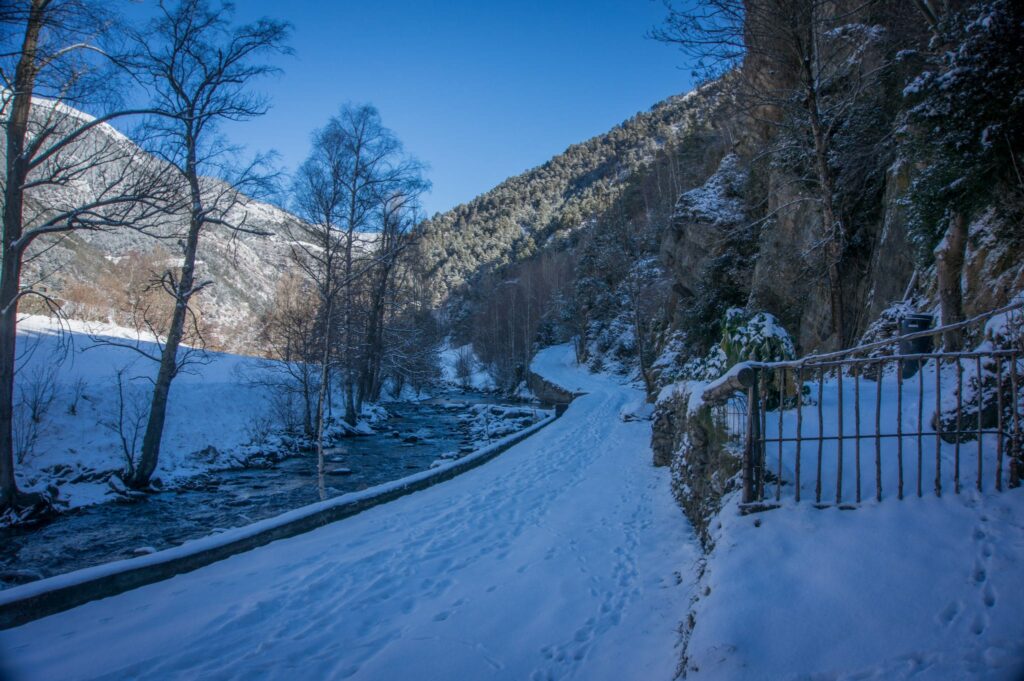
{"x":22,"y":604}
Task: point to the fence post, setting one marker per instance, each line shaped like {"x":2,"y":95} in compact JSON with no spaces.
{"x":749,"y":447}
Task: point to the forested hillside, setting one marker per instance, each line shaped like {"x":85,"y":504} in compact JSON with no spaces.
{"x":547,"y":204}
{"x":883,"y":177}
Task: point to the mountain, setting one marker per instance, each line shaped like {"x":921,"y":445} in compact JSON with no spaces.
{"x":102,"y":275}
{"x":527,"y":212}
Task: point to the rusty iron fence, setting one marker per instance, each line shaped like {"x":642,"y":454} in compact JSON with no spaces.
{"x":877,"y":420}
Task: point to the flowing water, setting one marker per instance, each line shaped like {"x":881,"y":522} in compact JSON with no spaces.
{"x":220,"y":500}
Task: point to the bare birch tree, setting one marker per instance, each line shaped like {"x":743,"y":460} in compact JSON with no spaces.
{"x":357,"y":192}
{"x":319,"y":249}
{"x":397,"y":215}
{"x":199,"y":69}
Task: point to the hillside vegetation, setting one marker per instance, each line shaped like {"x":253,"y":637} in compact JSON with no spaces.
{"x":639,"y":244}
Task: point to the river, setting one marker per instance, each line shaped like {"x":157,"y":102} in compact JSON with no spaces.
{"x":414,"y":436}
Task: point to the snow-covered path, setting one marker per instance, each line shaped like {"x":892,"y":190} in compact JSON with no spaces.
{"x":563,"y":558}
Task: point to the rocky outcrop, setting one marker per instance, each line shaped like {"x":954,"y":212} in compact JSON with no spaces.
{"x":993,"y":267}
{"x":703,"y":220}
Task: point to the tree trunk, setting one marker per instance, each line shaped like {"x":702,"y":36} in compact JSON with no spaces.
{"x":8,"y":342}
{"x":349,"y":358}
{"x":949,"y":263}
{"x":10,"y":276}
{"x":374,"y":338}
{"x":834,"y":231}
{"x":150,"y":454}
{"x":321,"y":398}
{"x":307,"y":404}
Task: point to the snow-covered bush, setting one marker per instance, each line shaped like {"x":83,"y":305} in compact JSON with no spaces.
{"x":746,"y":336}
{"x":757,"y":337}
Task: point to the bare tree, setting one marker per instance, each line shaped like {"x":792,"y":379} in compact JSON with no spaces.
{"x":375,"y":167}
{"x":36,"y":393}
{"x":464,"y":367}
{"x":398,"y":213}
{"x":130,"y":419}
{"x":198,"y":68}
{"x":292,"y":337}
{"x":51,"y":148}
{"x":319,"y":250}
{"x":355,"y":180}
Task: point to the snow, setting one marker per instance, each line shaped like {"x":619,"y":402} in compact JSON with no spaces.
{"x":211,"y":405}
{"x":717,"y":201}
{"x":563,"y":557}
{"x":916,"y":588}
{"x":557,"y":365}
{"x":227,"y":537}
{"x":922,"y":589}
{"x":479,"y":379}
{"x":566,"y":557}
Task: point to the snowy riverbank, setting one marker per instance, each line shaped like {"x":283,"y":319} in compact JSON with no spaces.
{"x":216,"y":417}
{"x":225,"y":411}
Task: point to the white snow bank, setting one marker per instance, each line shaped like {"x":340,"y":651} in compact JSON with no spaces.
{"x":920,"y":589}
{"x":557,"y":364}
{"x":450,"y":356}
{"x":916,"y":588}
{"x":211,"y":404}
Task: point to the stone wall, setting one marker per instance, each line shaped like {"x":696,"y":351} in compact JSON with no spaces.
{"x":547,"y":392}
{"x":703,"y":463}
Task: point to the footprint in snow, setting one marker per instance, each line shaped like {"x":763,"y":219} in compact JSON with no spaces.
{"x":979,"y":625}
{"x":989,"y":596}
{"x":949,"y":613}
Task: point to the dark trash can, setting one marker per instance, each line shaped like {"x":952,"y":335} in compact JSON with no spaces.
{"x":913,"y":323}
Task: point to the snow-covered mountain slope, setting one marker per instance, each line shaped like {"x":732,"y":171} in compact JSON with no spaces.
{"x":563,"y":557}
{"x":245,"y":265}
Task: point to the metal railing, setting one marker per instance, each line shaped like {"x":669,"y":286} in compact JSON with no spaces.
{"x":870,"y":421}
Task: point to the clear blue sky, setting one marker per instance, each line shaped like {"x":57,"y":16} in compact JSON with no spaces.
{"x":479,"y":90}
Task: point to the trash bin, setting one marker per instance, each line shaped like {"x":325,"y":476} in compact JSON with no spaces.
{"x":915,"y":346}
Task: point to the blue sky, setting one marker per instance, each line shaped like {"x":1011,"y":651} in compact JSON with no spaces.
{"x":478,"y":90}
